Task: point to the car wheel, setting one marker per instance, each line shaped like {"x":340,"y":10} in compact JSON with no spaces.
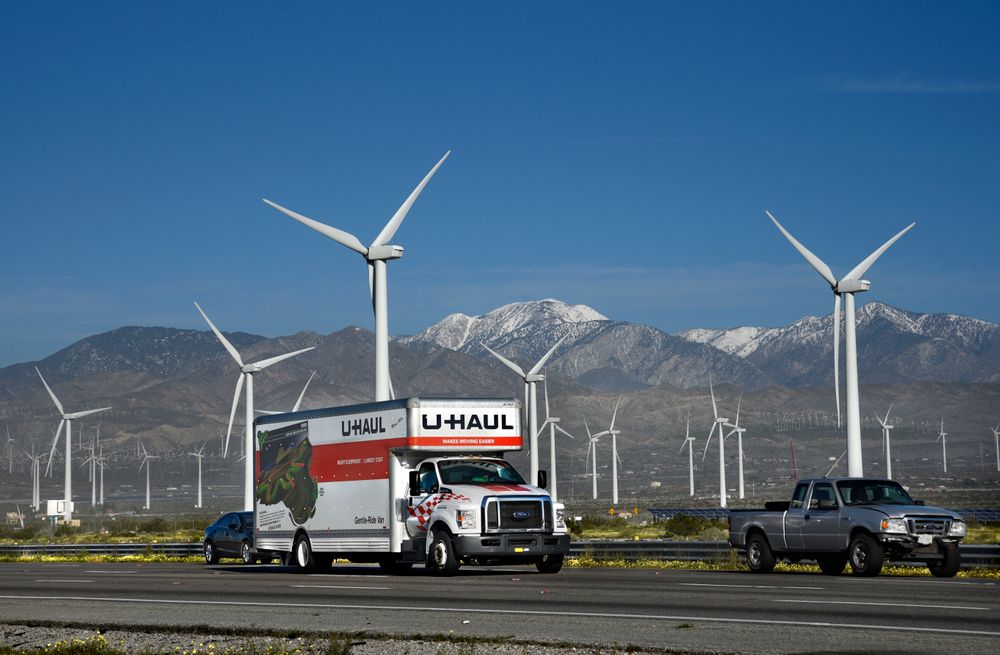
{"x":549,"y":564}
{"x":302,"y":555}
{"x":949,"y":564}
{"x":246,"y":552}
{"x":211,"y":557}
{"x":442,"y":558}
{"x":865,"y":556}
{"x":831,"y":564}
{"x":760,"y":558}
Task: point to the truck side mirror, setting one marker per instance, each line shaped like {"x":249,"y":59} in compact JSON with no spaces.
{"x":543,"y":479}
{"x":414,"y":483}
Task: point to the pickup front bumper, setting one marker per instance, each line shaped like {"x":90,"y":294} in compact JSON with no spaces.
{"x":510,"y":545}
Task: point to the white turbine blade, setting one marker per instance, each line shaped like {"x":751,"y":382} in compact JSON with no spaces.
{"x":340,"y":236}
{"x":266,"y":412}
{"x":715,"y":409}
{"x":511,"y":365}
{"x":598,"y":435}
{"x":302,"y":395}
{"x":709,"y":440}
{"x":390,"y":228}
{"x":537,"y":367}
{"x":545,"y":387}
{"x":225,"y":342}
{"x":836,"y":353}
{"x":232,"y":414}
{"x":526,"y":401}
{"x":815,"y":261}
{"x":392,"y":390}
{"x":371,"y":283}
{"x":590,"y":446}
{"x":264,"y":363}
{"x":587,"y":428}
{"x":614,"y":414}
{"x":860,"y":269}
{"x":738,"y":402}
{"x":48,"y":467}
{"x":202,"y":449}
{"x":728,"y":434}
{"x":54,"y":399}
{"x":560,"y":428}
{"x":142,"y":447}
{"x":886,"y":420}
{"x":143,"y":463}
{"x":88,"y":412}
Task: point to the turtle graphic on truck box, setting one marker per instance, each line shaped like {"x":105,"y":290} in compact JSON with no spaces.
{"x":401,"y":482}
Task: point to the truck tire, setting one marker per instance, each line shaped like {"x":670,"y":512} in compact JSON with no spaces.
{"x":302,"y":555}
{"x":211,"y":555}
{"x":549,"y":564}
{"x":865,"y":556}
{"x":949,"y":564}
{"x":442,"y":559}
{"x":760,"y":558}
{"x":246,"y":552}
{"x":831,"y":564}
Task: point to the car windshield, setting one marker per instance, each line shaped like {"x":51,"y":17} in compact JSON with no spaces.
{"x":873,"y":492}
{"x":478,"y":471}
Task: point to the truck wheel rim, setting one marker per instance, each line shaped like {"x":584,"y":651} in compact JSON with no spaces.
{"x":440,"y":554}
{"x":208,"y":552}
{"x":860,"y":556}
{"x":246,"y":552}
{"x":754,"y":554}
{"x":300,"y":554}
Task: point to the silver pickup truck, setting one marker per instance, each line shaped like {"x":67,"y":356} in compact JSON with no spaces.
{"x":860,"y":521}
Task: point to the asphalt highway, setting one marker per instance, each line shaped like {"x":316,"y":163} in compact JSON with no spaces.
{"x":683,"y":610}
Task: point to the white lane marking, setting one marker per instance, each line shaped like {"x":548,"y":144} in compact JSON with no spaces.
{"x":114,"y":572}
{"x":332,"y":586}
{"x":345,"y":575}
{"x":860,"y":602}
{"x":476,"y":610}
{"x":58,"y":580}
{"x":744,"y":586}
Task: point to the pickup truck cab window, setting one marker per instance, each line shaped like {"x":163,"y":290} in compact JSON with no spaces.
{"x":799,"y":497}
{"x":823,"y":497}
{"x":873,"y":492}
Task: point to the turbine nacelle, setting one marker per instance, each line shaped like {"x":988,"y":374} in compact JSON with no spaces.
{"x":382,"y":253}
{"x":852,"y":286}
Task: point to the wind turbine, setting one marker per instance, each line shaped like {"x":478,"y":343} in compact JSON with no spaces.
{"x":591,"y":455}
{"x":10,"y":451}
{"x":247,"y":371}
{"x":67,"y":420}
{"x":531,"y":399}
{"x":943,"y":438}
{"x":91,"y":463}
{"x":736,"y":429}
{"x":297,"y":404}
{"x":101,"y":462}
{"x":689,"y":443}
{"x":886,"y":445}
{"x":719,"y":423}
{"x":847,"y":286}
{"x":200,"y":455}
{"x":376,"y":255}
{"x":36,"y":473}
{"x":996,"y":443}
{"x":146,"y":457}
{"x":553,"y":423}
{"x":614,"y":452}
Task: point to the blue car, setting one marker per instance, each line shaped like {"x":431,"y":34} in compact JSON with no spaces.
{"x":231,"y":536}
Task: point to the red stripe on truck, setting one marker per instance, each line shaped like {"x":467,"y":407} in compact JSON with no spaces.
{"x":465,"y":441}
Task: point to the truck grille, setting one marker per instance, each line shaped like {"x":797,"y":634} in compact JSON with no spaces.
{"x":933,"y":526}
{"x":516,"y":515}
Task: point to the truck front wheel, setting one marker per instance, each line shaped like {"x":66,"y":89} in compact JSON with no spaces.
{"x":760,"y":559}
{"x":442,"y":558}
{"x":549,"y":564}
{"x":949,"y":564}
{"x":865,"y":556}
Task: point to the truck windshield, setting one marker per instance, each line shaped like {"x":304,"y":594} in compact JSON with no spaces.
{"x":873,"y":492}
{"x":464,"y":471}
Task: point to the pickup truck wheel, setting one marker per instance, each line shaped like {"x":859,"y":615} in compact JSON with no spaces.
{"x":246,"y":552}
{"x":549,"y":564}
{"x":760,"y":559}
{"x":865,"y":556}
{"x":831,"y":564}
{"x":302,"y":556}
{"x":211,"y":556}
{"x":442,"y":558}
{"x":949,"y":564}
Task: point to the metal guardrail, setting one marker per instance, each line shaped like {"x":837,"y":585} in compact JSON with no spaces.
{"x":973,"y":555}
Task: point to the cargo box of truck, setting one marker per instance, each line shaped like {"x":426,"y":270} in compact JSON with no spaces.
{"x":418,"y":480}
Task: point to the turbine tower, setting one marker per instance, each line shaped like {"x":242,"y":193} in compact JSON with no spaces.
{"x":553,"y":423}
{"x":66,"y":418}
{"x":247,"y":371}
{"x":943,"y":438}
{"x":36,"y":473}
{"x":91,"y":463}
{"x":10,"y":451}
{"x":996,"y":443}
{"x":591,"y":456}
{"x":201,"y":455}
{"x":689,"y":443}
{"x":847,"y":286}
{"x":376,"y":256}
{"x":738,"y":431}
{"x":719,"y":423}
{"x":886,"y":445}
{"x":146,"y":457}
{"x":615,"y":459}
{"x":102,"y":463}
{"x":531,"y":399}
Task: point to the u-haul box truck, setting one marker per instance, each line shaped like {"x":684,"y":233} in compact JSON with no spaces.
{"x":400,"y":482}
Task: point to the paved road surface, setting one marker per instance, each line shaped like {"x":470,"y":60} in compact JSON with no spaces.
{"x":701,"y":611}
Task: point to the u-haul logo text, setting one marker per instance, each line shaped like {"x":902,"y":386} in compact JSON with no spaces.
{"x":362,"y":426}
{"x":467,"y":422}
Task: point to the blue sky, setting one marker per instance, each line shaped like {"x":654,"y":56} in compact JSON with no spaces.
{"x":619,"y":155}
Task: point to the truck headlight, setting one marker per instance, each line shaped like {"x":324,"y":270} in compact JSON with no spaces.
{"x":466,"y":518}
{"x":560,"y":519}
{"x":894,"y":525}
{"x":957,"y":529}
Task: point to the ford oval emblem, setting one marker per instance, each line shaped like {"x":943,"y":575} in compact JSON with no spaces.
{"x":520,"y":515}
